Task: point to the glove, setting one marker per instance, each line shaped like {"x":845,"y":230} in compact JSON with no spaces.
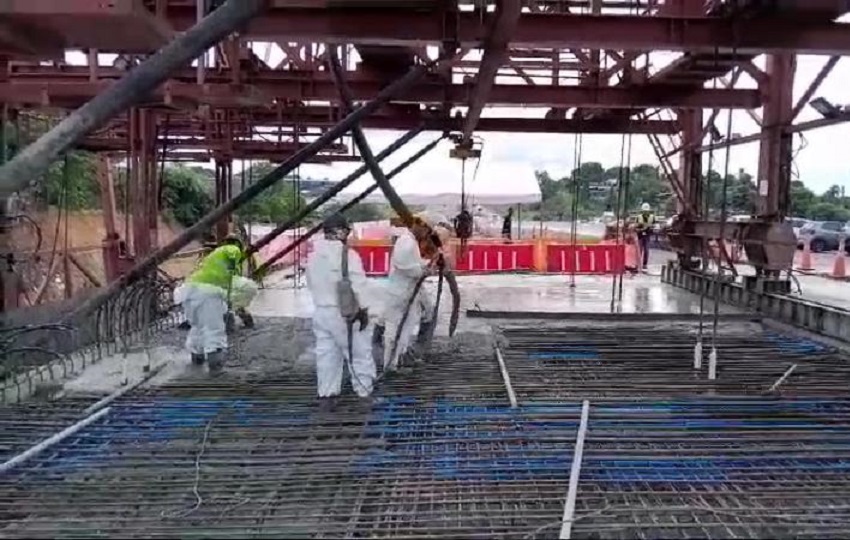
{"x":363,"y":318}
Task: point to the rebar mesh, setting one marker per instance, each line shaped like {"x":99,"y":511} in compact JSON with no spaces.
{"x":443,"y":455}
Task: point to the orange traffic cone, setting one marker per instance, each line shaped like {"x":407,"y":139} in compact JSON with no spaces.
{"x":806,"y":258}
{"x":839,"y":270}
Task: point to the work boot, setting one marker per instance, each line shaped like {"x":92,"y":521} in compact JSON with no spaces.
{"x":247,"y":318}
{"x":216,"y":362}
{"x":198,"y":359}
{"x":378,"y":336}
{"x":327,"y":404}
{"x":406,"y":362}
{"x":425,"y":328}
{"x":184,"y":325}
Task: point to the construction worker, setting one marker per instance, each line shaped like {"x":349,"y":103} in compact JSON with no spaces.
{"x":507,"y":224}
{"x":338,"y":285}
{"x":205,"y":301}
{"x":645,"y":224}
{"x":406,"y":268}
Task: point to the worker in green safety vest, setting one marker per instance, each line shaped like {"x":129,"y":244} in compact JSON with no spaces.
{"x":645,"y":224}
{"x":206,"y":301}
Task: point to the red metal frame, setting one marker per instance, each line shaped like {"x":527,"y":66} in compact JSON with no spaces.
{"x":586,"y":62}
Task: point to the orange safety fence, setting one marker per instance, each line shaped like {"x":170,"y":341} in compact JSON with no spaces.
{"x":540,"y":256}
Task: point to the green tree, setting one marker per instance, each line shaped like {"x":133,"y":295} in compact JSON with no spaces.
{"x":186,"y":194}
{"x":72,"y":182}
{"x":274,"y":205}
{"x":803,"y":200}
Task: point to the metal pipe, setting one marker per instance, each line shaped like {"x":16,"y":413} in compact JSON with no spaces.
{"x":331,"y":193}
{"x":193,"y":232}
{"x":360,"y":198}
{"x":575,"y":471}
{"x":91,"y":409}
{"x":389,"y":192}
{"x":131,"y":89}
{"x":506,"y":377}
{"x":47,"y":443}
{"x":359,"y":137}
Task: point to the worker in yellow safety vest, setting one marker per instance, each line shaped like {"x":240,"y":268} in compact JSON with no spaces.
{"x":206,"y":301}
{"x":645,"y":224}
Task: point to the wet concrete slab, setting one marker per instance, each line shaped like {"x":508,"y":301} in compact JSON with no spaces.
{"x":643,"y":293}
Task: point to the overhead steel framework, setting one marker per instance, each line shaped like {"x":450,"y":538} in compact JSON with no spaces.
{"x":262,"y":88}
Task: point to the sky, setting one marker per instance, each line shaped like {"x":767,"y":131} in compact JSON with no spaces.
{"x":509,"y":160}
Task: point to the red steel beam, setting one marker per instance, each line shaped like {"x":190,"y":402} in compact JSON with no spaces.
{"x":495,"y":55}
{"x":178,"y":128}
{"x":385,"y":26}
{"x":48,"y":92}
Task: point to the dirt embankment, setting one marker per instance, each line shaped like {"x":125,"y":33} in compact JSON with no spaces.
{"x":43,"y":263}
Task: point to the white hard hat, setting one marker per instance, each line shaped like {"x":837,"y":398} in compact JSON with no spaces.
{"x":645,"y":207}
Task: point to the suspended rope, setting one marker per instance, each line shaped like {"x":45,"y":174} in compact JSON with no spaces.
{"x":712,"y":358}
{"x":706,"y":200}
{"x":617,"y":214}
{"x":628,"y":174}
{"x":576,"y":193}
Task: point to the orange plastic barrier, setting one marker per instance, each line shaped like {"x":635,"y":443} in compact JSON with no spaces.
{"x":376,"y":259}
{"x":585,"y":259}
{"x":496,"y":258}
{"x":515,"y":257}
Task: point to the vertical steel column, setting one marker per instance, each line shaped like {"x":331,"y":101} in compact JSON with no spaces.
{"x":690,"y":162}
{"x":111,"y":265}
{"x":223,"y":179}
{"x":774,"y":173}
{"x":151,"y":177}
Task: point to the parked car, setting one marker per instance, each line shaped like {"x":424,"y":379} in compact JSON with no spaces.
{"x":822,"y":235}
{"x":798,"y":224}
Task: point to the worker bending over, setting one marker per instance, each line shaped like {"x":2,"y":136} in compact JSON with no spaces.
{"x":205,"y":298}
{"x":338,"y":285}
{"x":645,"y":223}
{"x":406,"y":268}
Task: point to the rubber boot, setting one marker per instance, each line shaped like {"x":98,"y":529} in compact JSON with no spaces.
{"x":327,"y":404}
{"x":247,"y":318}
{"x":198,"y":359}
{"x":216,"y":362}
{"x":378,"y":335}
{"x":425,"y":328}
{"x":406,"y":362}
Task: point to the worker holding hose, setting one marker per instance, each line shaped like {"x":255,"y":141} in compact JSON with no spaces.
{"x":206,"y":298}
{"x":338,"y":285}
{"x":406,"y":268}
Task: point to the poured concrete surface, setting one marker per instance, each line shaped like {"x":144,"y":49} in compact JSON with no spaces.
{"x":283,"y":337}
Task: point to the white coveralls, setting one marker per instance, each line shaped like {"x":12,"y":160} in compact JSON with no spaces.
{"x":406,"y":267}
{"x":205,"y":307}
{"x":324,"y":272}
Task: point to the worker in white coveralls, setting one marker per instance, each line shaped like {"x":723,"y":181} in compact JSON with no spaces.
{"x":406,"y":268}
{"x":339,"y":288}
{"x":206,"y":298}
